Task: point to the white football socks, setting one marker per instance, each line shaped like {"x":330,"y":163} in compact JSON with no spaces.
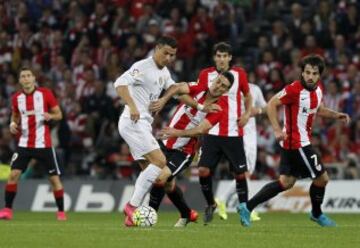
{"x":144,"y":183}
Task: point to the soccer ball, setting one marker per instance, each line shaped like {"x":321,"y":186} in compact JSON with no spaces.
{"x":144,"y":216}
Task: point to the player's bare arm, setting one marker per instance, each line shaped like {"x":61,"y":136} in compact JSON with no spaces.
{"x":14,"y":124}
{"x":207,"y":108}
{"x":328,"y":113}
{"x":202,"y":128}
{"x":182,"y":89}
{"x":272,"y":115}
{"x":54,"y":114}
{"x":248,"y":107}
{"x":257,"y":111}
{"x":175,"y":89}
{"x":124,"y":94}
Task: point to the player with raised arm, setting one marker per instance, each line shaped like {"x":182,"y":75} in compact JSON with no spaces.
{"x":301,"y":99}
{"x":225,"y":138}
{"x":180,"y":151}
{"x":32,"y":109}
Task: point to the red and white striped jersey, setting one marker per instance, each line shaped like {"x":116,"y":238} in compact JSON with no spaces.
{"x":186,"y":117}
{"x":301,"y":106}
{"x":228,"y":125}
{"x":35,"y":132}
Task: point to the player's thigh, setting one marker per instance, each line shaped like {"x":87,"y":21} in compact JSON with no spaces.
{"x":233,"y":148}
{"x":20,"y":159}
{"x":178,"y":161}
{"x":310,"y":163}
{"x":47,"y":158}
{"x":288,"y":163}
{"x":138,"y":136}
{"x":210,"y":152}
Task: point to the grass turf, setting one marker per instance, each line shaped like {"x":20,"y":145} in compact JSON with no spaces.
{"x":29,"y":229}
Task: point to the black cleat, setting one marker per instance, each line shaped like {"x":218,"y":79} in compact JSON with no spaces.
{"x":209,"y":214}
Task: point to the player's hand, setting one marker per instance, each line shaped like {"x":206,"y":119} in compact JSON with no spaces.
{"x":280,"y":135}
{"x":212,"y":108}
{"x":134,"y":114}
{"x":243,"y":120}
{"x":14,"y":128}
{"x":255,"y":111}
{"x":345,"y":118}
{"x":168,"y":132}
{"x":47,"y":116}
{"x":157,"y":106}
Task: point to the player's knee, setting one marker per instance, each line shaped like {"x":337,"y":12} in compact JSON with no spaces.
{"x":14,"y":176}
{"x":165,"y":174}
{"x":169,"y":186}
{"x":204,"y":172}
{"x":286,"y":183}
{"x":240,"y":176}
{"x":160,"y":162}
{"x":322,"y":181}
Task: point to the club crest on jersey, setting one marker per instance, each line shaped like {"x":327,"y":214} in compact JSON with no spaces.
{"x":160,"y":81}
{"x":308,"y":111}
{"x":134,"y":73}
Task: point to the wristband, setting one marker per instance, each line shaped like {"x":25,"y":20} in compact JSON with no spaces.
{"x":200,"y":107}
{"x":260,"y":111}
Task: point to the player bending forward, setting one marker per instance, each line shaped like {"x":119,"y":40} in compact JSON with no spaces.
{"x":179,"y":152}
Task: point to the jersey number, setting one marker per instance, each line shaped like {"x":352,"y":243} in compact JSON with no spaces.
{"x":317,"y":166}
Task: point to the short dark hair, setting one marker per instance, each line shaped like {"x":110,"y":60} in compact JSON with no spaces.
{"x":25,"y":68}
{"x":222,"y":47}
{"x":229,"y":76}
{"x":167,"y":40}
{"x":313,"y":60}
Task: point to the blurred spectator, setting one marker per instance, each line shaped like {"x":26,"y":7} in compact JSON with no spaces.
{"x":78,"y":48}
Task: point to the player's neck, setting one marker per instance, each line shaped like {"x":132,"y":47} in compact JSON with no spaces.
{"x":157,"y":63}
{"x":210,"y":98}
{"x":221,"y":70}
{"x":29,"y":90}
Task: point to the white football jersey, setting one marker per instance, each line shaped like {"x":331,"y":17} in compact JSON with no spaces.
{"x":258,"y":102}
{"x":145,"y":82}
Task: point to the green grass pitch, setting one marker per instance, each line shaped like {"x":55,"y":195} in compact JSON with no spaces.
{"x":279,"y":230}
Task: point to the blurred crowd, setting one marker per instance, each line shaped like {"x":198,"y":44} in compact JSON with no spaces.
{"x":78,"y":49}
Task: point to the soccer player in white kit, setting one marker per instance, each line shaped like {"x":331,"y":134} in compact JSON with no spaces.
{"x":138,"y":87}
{"x":250,"y":137}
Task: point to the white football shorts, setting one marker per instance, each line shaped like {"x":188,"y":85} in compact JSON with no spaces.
{"x":138,"y":136}
{"x":250,"y":146}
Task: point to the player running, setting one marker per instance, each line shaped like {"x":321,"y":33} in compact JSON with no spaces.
{"x":302,"y":99}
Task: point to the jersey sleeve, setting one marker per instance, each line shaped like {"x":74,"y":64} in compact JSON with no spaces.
{"x":14,"y":104}
{"x":203,"y":80}
{"x":288,"y":95}
{"x":215,"y":117}
{"x":51,"y":100}
{"x":243,"y":82}
{"x":131,"y":76}
{"x":195,"y":88}
{"x":259,"y":100}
